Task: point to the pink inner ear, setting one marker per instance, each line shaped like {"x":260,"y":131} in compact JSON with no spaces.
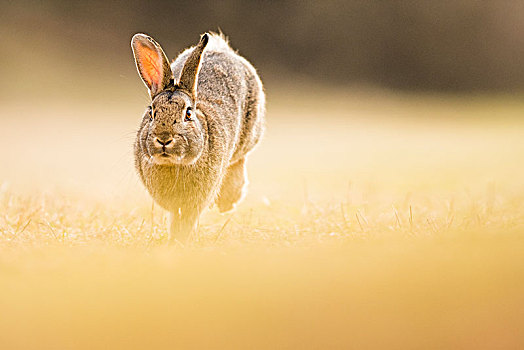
{"x":151,"y":65}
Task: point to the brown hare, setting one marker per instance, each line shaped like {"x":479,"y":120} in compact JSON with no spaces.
{"x":206,"y":115}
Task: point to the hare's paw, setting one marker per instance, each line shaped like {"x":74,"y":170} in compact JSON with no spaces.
{"x":183,"y":225}
{"x":232,"y":189}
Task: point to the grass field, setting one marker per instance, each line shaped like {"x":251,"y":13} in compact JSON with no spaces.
{"x":373,"y":220}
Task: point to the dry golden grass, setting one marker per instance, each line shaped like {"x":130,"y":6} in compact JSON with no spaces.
{"x":371,"y":222}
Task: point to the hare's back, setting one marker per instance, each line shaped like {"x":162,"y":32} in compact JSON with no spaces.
{"x":230,"y":83}
{"x":223,"y":74}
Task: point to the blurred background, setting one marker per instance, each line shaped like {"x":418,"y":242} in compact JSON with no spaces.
{"x":401,"y":87}
{"x":386,"y":77}
{"x":446,"y":46}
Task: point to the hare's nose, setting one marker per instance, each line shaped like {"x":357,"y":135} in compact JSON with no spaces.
{"x":164,"y":142}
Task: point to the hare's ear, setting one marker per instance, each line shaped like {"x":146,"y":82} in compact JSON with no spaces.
{"x":189,"y":76}
{"x":152,"y":63}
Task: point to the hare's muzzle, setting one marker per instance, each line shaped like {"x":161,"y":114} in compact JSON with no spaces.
{"x":164,"y":142}
{"x":165,"y":149}
{"x":173,"y":148}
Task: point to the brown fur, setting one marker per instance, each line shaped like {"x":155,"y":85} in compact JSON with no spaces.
{"x":188,"y":164}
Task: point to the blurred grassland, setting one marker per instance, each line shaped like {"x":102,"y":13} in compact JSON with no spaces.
{"x":373,"y":220}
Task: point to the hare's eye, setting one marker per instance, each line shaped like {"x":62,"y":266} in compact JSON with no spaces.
{"x":189,"y":113}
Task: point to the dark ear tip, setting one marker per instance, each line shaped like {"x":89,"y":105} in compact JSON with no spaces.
{"x":204,"y":39}
{"x":138,"y":37}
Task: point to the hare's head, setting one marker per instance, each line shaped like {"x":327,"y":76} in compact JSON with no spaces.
{"x":173,"y":133}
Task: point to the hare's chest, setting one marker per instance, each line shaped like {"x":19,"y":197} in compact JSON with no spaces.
{"x":176,"y":187}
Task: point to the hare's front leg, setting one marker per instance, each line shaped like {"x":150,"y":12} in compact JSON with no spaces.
{"x":183,"y":223}
{"x":232,"y":188}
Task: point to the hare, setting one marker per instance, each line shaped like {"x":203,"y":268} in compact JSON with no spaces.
{"x":206,"y":115}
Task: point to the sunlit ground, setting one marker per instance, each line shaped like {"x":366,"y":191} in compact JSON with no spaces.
{"x":373,"y":220}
